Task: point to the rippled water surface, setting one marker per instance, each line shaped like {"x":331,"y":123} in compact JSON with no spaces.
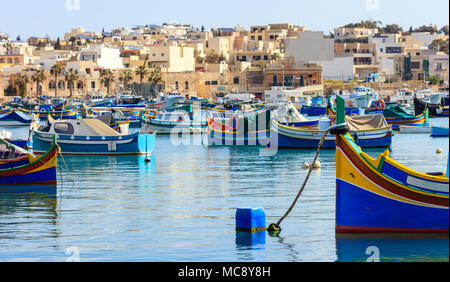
{"x":181,"y":207}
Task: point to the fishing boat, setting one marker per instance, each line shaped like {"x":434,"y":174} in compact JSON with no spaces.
{"x":443,"y":112}
{"x":440,"y":131}
{"x":396,"y":116}
{"x":15,"y":118}
{"x":91,"y":137}
{"x":420,"y":129}
{"x":19,"y":167}
{"x":382,"y":196}
{"x":240,"y":129}
{"x":370,"y":131}
{"x":166,"y":122}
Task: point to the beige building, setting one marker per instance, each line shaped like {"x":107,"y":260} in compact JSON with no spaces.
{"x":343,"y":33}
{"x":171,"y":58}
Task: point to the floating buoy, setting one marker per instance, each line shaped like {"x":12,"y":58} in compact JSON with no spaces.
{"x":250,"y":220}
{"x":439,"y":151}
{"x":317,"y":165}
{"x":147,"y":160}
{"x":305,"y":166}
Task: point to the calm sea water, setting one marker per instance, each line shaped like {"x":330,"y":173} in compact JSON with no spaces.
{"x":181,"y":207}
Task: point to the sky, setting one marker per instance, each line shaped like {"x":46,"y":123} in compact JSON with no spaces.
{"x":55,"y":17}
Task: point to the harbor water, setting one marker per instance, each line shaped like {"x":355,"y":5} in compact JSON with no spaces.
{"x":181,"y":207}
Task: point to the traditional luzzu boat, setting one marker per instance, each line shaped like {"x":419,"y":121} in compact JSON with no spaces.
{"x":15,"y":118}
{"x":369,"y":131}
{"x":91,"y":137}
{"x":440,"y":131}
{"x":176,"y":121}
{"x":5,"y":111}
{"x":240,"y":130}
{"x":382,"y":196}
{"x":396,"y":116}
{"x":19,"y":167}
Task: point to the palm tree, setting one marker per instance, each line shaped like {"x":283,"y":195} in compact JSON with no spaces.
{"x":21,"y":82}
{"x":71,"y":76}
{"x":56,"y":70}
{"x":107,"y":77}
{"x":274,"y":57}
{"x":38,"y":76}
{"x":142,"y":72}
{"x":125,"y":77}
{"x":8,"y":47}
{"x":155,"y":78}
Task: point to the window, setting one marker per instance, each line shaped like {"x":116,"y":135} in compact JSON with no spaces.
{"x":207,"y":82}
{"x":266,"y":57}
{"x":214,"y":82}
{"x":236,"y":80}
{"x":381,"y":50}
{"x":64,"y":128}
{"x":187,"y":85}
{"x":439,"y":66}
{"x":415,"y":65}
{"x":260,"y":37}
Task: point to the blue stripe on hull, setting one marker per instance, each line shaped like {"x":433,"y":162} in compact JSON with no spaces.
{"x":356,"y":207}
{"x":290,"y":142}
{"x":47,"y":175}
{"x":142,"y":144}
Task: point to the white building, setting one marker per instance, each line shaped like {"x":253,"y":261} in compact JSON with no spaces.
{"x":102,"y":56}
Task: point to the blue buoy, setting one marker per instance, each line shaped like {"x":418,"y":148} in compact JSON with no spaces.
{"x":250,"y":220}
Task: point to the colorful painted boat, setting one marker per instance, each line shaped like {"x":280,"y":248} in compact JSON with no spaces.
{"x":370,"y":131}
{"x":15,"y":118}
{"x":382,"y":196}
{"x":176,"y":121}
{"x":253,"y":130}
{"x":23,"y":168}
{"x":91,"y":137}
{"x":42,"y":114}
{"x":221,"y":134}
{"x":440,"y":131}
{"x":320,"y":111}
{"x":396,"y":116}
{"x":5,"y":111}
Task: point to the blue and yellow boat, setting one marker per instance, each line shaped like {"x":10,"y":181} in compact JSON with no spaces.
{"x":382,"y":196}
{"x":18,"y":167}
{"x":396,"y":116}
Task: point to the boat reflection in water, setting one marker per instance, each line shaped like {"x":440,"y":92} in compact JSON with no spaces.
{"x":392,"y":247}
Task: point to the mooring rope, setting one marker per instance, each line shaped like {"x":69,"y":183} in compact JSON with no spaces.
{"x":275,"y":227}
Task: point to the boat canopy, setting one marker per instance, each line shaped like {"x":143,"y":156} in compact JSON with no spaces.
{"x":366,"y":122}
{"x":396,"y":112}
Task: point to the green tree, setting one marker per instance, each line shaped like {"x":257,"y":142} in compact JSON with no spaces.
{"x":434,"y":80}
{"x":155,"y":78}
{"x":440,"y":45}
{"x":38,"y":76}
{"x":125,"y":77}
{"x":444,"y":29}
{"x":56,"y":71}
{"x":71,"y":76}
{"x":141,"y":71}
{"x":21,"y":82}
{"x":107,"y":77}
{"x":57,"y":45}
{"x":392,"y":28}
{"x":427,"y":28}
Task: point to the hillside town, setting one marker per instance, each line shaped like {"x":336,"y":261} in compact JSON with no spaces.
{"x":157,"y":58}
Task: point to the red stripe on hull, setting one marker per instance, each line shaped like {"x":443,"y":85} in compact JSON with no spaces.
{"x":363,"y":230}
